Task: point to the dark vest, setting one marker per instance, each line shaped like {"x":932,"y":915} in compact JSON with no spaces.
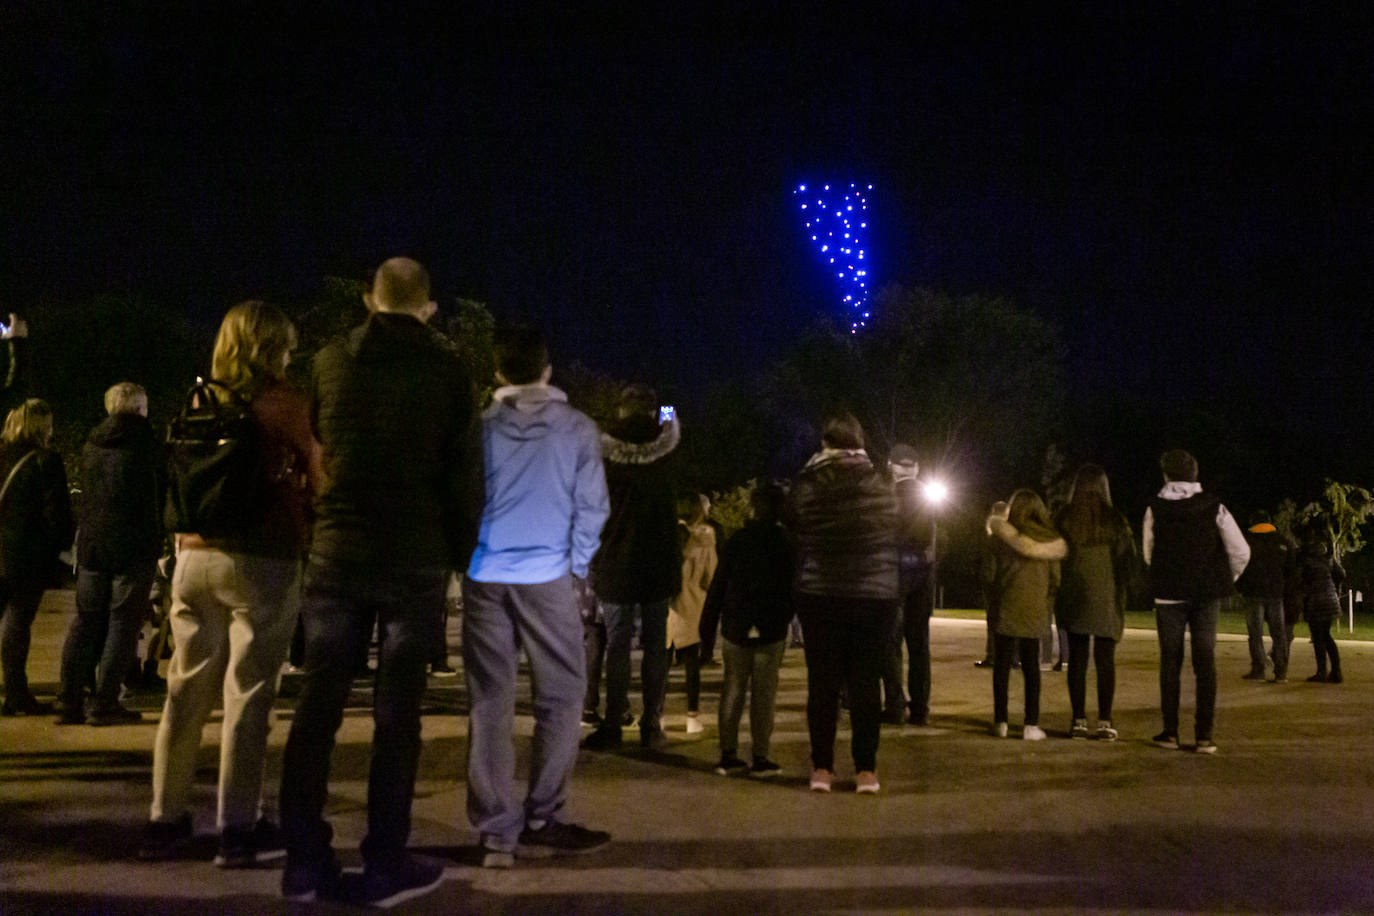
{"x":1189,"y":559}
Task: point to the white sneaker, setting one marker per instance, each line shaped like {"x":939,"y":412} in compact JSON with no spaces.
{"x":1033,"y":733}
{"x":999,"y":729}
{"x":694,"y":726}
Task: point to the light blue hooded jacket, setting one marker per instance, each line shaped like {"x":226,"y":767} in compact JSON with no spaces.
{"x":546,"y":488}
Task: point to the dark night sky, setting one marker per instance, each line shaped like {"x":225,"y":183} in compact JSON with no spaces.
{"x":1187,"y":193}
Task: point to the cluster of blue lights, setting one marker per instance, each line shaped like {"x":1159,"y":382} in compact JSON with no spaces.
{"x":837,"y":224}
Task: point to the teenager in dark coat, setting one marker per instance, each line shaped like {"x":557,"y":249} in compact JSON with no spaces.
{"x":1318,"y":576}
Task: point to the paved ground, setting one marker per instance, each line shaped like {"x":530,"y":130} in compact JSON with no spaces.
{"x":1281,"y":820}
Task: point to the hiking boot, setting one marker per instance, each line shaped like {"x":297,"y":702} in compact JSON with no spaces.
{"x":1165,"y":740}
{"x":240,"y":847}
{"x":1105,"y":732}
{"x":820,"y":780}
{"x":399,"y":880}
{"x":69,"y":711}
{"x":1205,"y":746}
{"x":729,"y":763}
{"x":1032,"y":733}
{"x":556,"y":838}
{"x":1079,"y":729}
{"x":24,"y":706}
{"x":113,"y":715}
{"x":163,"y":840}
{"x":764,"y":768}
{"x":866,"y":782}
{"x":604,"y":738}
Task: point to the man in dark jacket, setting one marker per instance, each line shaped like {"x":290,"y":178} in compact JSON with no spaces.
{"x":117,"y":550}
{"x":638,"y":569}
{"x":1262,"y":585}
{"x":394,"y":410}
{"x":1195,"y":552}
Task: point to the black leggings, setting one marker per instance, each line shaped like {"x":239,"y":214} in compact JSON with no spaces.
{"x":690,"y":656}
{"x":1104,"y":656}
{"x":1004,"y":648}
{"x":1324,"y":644}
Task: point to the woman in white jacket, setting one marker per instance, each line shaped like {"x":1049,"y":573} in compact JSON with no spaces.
{"x":684,"y":618}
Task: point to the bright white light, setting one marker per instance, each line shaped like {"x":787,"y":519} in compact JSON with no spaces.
{"x":935,"y":492}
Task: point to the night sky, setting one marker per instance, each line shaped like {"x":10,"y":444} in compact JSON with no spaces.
{"x":1186,"y":193}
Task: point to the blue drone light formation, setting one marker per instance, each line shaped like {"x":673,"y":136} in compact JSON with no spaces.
{"x":837,"y":224}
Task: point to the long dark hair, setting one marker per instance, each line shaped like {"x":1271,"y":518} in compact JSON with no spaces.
{"x":1089,"y":517}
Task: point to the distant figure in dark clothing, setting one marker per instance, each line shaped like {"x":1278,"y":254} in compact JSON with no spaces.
{"x":1319,"y":577}
{"x":117,"y":554}
{"x":638,"y":570}
{"x":1091,"y":604}
{"x":395,"y":412}
{"x":1271,"y":567}
{"x":35,"y":526}
{"x":915,"y":606}
{"x":752,"y":597}
{"x":1195,"y":552}
{"x":844,"y":517}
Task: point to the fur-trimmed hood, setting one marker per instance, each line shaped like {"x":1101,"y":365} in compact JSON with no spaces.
{"x":1027,"y":547}
{"x":620,"y":451}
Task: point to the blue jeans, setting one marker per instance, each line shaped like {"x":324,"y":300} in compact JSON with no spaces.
{"x":110,"y":611}
{"x":653,"y":669}
{"x":1258,"y":612}
{"x":498,"y":621}
{"x":337,"y":611}
{"x":753,"y":669}
{"x":1200,"y":619}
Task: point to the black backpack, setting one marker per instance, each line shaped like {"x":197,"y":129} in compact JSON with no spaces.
{"x":214,"y":465}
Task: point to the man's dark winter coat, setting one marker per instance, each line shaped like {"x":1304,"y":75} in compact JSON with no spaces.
{"x":121,"y":524}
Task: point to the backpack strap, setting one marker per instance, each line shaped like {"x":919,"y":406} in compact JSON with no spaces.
{"x":14,"y":471}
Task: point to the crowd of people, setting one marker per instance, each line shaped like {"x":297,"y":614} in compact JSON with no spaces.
{"x":384,"y":478}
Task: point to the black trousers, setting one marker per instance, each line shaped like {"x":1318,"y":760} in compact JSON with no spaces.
{"x":1324,"y":644}
{"x":1005,"y":648}
{"x":845,"y":641}
{"x":1104,"y":657}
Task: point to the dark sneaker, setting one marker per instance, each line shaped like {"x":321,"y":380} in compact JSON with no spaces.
{"x":404,"y":879}
{"x":241,"y":847}
{"x":1252,"y":676}
{"x":604,"y":738}
{"x":1205,"y":746}
{"x":764,"y":768}
{"x":918,"y":719}
{"x":556,"y":838}
{"x":591,"y":717}
{"x":654,"y":740}
{"x":114,"y":715}
{"x":163,"y":840}
{"x":1335,"y":678}
{"x":729,"y":763}
{"x":1079,"y":729}
{"x":1167,"y":741}
{"x":307,"y":883}
{"x":24,"y":706}
{"x":443,"y":670}
{"x":893,"y":716}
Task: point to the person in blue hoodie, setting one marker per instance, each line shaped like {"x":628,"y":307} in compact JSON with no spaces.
{"x":546,"y":505}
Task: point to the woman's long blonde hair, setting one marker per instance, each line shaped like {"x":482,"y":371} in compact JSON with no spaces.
{"x":249,"y":349}
{"x":29,"y":424}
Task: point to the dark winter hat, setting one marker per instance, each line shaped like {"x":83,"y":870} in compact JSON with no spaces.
{"x":902,"y":454}
{"x":1178,"y":465}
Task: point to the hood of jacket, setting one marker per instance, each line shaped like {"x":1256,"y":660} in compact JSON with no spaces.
{"x":122,"y":430}
{"x":387,"y":337}
{"x":525,"y":413}
{"x":640,"y":440}
{"x":1028,"y":547}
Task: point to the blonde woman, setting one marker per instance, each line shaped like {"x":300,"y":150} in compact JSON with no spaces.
{"x":35,"y":526}
{"x":234,"y":606}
